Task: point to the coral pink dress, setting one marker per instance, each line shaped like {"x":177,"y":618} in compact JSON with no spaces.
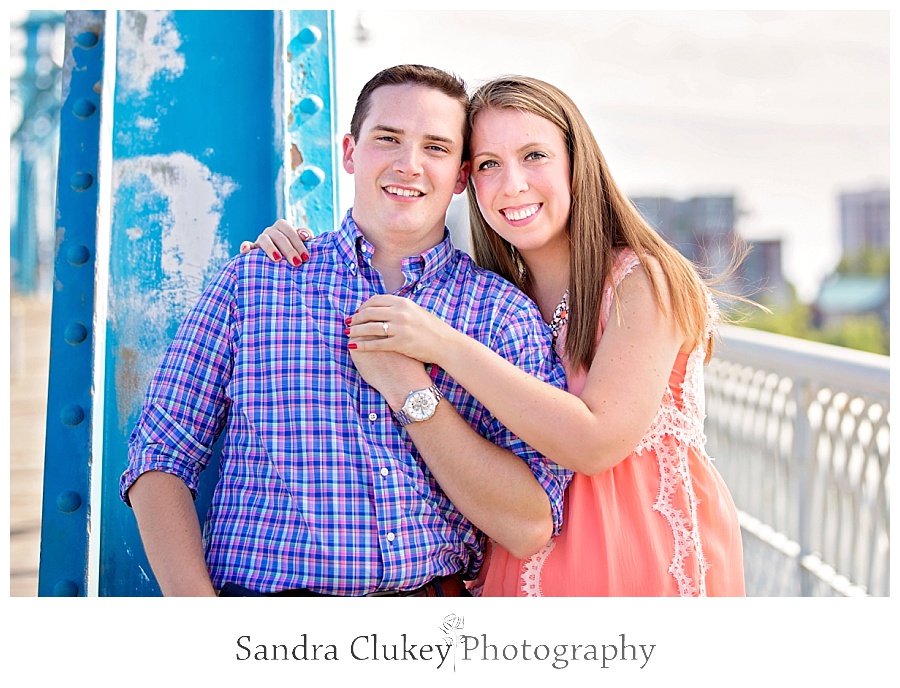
{"x":659,"y":523}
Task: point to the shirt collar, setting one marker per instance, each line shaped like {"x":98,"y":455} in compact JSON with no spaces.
{"x":356,"y":251}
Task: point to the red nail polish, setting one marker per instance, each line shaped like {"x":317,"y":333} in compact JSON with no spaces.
{"x":276,"y":256}
{"x":304,"y":257}
{"x":351,"y":345}
{"x":296,"y":260}
{"x":347,"y":331}
{"x":347,"y":321}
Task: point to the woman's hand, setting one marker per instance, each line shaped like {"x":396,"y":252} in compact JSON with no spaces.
{"x":393,"y":323}
{"x":282,"y":241}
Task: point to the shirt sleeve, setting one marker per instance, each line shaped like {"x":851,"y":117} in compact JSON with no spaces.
{"x":186,"y":405}
{"x":524,"y":340}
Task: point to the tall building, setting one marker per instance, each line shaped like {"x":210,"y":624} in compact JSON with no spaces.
{"x":762,"y":272}
{"x":865,"y":220}
{"x":703,"y":229}
{"x":852,"y":292}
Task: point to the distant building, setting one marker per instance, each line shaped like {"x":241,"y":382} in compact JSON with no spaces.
{"x":844,"y":296}
{"x":865,"y":220}
{"x":762,"y":272}
{"x":702,"y":229}
{"x":865,"y":225}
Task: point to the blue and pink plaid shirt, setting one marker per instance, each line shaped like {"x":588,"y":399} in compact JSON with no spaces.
{"x":320,"y":488}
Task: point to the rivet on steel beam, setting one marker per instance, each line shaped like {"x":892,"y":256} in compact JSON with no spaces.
{"x":311,"y":177}
{"x":87,"y":39}
{"x":65,"y":588}
{"x":303,"y":40}
{"x":81,"y":181}
{"x":83,"y":108}
{"x":68,"y":501}
{"x":78,"y":255}
{"x":72,"y":414}
{"x":310,"y":105}
{"x":310,"y":35}
{"x":75,"y":333}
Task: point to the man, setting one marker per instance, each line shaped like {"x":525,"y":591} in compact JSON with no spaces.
{"x":324,"y":488}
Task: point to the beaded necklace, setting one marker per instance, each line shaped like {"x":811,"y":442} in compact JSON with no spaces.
{"x":560,"y":315}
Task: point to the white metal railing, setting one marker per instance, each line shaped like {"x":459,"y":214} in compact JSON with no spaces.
{"x":800,"y":431}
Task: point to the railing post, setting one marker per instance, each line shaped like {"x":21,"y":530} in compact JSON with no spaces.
{"x":805,"y":452}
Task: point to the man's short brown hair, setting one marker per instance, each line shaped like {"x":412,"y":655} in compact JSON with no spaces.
{"x":449,"y":84}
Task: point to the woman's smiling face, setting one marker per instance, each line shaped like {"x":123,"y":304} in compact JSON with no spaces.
{"x":521,"y":173}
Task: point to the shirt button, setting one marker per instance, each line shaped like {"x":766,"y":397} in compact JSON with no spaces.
{"x":390,"y":537}
{"x":384,"y":472}
{"x":373,"y":416}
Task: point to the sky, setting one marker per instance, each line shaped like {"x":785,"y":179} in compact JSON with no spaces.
{"x":783,"y":109}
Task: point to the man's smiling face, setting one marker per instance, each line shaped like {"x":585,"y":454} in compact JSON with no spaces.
{"x":407,"y":161}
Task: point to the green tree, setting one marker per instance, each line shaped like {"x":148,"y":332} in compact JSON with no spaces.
{"x":794,"y":319}
{"x":867,"y":261}
{"x":862,"y":332}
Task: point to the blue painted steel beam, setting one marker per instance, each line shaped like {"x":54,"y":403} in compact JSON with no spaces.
{"x":195,"y":161}
{"x":66,"y":497}
{"x":311,"y":120}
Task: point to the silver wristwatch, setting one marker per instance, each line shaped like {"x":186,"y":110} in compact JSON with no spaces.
{"x":419,"y":405}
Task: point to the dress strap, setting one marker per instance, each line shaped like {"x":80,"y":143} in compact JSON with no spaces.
{"x":626,"y":261}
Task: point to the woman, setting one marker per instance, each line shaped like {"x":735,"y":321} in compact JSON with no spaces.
{"x":646,"y":514}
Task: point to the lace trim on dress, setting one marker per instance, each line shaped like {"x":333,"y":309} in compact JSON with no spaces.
{"x":531,"y":570}
{"x":674,"y":474}
{"x":685,"y":425}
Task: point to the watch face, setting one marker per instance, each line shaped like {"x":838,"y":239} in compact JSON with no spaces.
{"x":420,"y":405}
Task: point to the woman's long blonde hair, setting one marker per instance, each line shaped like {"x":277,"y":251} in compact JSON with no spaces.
{"x":602,"y":219}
